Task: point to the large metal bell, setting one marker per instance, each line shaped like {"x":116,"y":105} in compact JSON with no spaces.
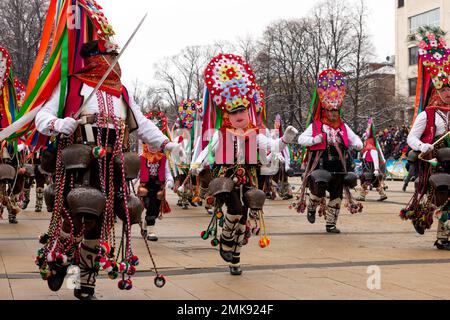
{"x":77,"y":156}
{"x":440,"y":180}
{"x":320,"y":176}
{"x":443,"y":155}
{"x":413,"y":156}
{"x":135,"y":209}
{"x":351,"y":180}
{"x":7,"y":172}
{"x":368,"y":176}
{"x":86,"y":200}
{"x":220,"y":186}
{"x":255,"y":199}
{"x":48,"y":162}
{"x":131,"y":165}
{"x":29,"y":170}
{"x":49,"y":197}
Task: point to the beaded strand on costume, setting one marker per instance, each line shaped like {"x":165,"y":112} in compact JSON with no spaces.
{"x":118,"y":152}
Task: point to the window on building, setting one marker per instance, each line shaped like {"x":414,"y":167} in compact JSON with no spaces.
{"x":401,"y":3}
{"x":429,"y":18}
{"x":412,"y":86}
{"x":413,"y":55}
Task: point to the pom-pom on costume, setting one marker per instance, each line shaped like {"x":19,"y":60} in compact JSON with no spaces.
{"x":232,"y":153}
{"x":329,"y":166}
{"x":373,"y":165}
{"x":428,"y":138}
{"x":155,"y":176}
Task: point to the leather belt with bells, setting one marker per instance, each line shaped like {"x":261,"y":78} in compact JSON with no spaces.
{"x":85,"y":133}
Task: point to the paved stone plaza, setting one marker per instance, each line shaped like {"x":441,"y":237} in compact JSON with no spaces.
{"x":302,"y":261}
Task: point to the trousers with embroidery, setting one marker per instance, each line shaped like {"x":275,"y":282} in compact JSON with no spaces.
{"x":235,"y":224}
{"x":335,"y":188}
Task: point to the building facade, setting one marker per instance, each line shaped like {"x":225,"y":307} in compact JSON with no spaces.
{"x":410,"y":15}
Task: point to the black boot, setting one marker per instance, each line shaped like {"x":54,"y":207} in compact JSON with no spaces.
{"x":442,"y":244}
{"x":84,"y":293}
{"x":12,"y":218}
{"x":88,"y":270}
{"x":311,"y":216}
{"x":333,"y":229}
{"x":227,"y":256}
{"x":235,"y":270}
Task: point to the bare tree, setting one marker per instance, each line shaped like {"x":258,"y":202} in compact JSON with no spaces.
{"x":21,"y":24}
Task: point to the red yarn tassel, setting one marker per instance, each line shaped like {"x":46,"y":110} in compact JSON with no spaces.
{"x":165,"y":208}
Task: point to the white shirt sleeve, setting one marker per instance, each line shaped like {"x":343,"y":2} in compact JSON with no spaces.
{"x":168,"y":174}
{"x":306,"y":138}
{"x":202,"y":158}
{"x":147,"y":131}
{"x":376,"y":162}
{"x":267,"y":144}
{"x":48,"y":113}
{"x":353,"y":140}
{"x":417,"y":131}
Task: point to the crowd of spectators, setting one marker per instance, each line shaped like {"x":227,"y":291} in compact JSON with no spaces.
{"x":393,"y":142}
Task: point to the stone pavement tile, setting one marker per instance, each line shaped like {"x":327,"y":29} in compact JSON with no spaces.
{"x":13,"y":247}
{"x":357,"y":277}
{"x":253,"y":290}
{"x":5,"y":290}
{"x":418,"y":278}
{"x":36,"y":289}
{"x":207,"y":287}
{"x":308,"y":288}
{"x":171,"y":291}
{"x":19,"y":264}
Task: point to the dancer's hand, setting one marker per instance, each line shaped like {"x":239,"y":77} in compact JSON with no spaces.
{"x":376,"y":173}
{"x":169,"y":184}
{"x":176,"y":149}
{"x":289,"y":135}
{"x":66,"y":126}
{"x":196,"y":168}
{"x":318,"y":139}
{"x":426,"y":147}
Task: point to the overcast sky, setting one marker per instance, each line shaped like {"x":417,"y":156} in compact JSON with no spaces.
{"x":175,"y":24}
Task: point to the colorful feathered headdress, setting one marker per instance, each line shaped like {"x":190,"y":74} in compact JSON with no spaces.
{"x":8,"y":99}
{"x":329,"y":94}
{"x":188,"y":112}
{"x":229,"y":86}
{"x":433,"y":65}
{"x":260,"y":104}
{"x":68,"y":25}
{"x":159,"y":119}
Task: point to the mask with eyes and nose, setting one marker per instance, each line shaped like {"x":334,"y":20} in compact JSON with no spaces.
{"x":444,"y":93}
{"x":239,"y":119}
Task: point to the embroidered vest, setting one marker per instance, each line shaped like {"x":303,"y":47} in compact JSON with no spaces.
{"x":317,"y":129}
{"x":430,"y":129}
{"x":74,"y":101}
{"x":228,"y":147}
